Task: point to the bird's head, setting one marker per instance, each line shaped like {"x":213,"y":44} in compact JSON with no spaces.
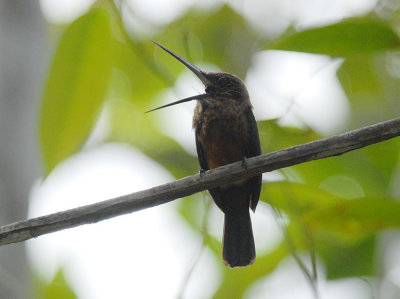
{"x":218,"y":85}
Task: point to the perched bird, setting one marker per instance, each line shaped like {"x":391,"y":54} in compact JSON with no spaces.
{"x":226,"y":132}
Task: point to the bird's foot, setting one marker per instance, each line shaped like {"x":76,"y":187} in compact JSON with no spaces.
{"x":244,"y":162}
{"x":202,"y":172}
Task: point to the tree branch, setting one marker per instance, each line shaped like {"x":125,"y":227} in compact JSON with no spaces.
{"x":328,"y":147}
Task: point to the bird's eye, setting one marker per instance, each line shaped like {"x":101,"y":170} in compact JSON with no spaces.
{"x":223,"y":80}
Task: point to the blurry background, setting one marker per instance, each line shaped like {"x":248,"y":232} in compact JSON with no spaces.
{"x":76,"y":79}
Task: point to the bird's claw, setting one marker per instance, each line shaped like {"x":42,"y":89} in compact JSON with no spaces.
{"x":244,"y":162}
{"x":202,"y":172}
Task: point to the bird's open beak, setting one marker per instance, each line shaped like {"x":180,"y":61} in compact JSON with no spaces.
{"x":198,"y":72}
{"x":197,"y":97}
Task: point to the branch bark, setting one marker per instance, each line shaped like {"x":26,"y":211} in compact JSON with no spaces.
{"x":324,"y":148}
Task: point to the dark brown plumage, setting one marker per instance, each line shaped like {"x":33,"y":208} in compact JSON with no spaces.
{"x":226,"y":132}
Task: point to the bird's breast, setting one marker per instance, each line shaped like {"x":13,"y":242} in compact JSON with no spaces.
{"x":223,"y":135}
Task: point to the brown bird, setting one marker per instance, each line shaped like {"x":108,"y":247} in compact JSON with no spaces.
{"x":226,"y":132}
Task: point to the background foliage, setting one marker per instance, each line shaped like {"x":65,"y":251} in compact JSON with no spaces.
{"x":96,"y":60}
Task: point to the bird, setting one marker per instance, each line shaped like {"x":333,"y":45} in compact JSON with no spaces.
{"x":226,"y":132}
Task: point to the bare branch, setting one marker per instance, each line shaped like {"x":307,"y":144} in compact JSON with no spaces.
{"x":328,"y":147}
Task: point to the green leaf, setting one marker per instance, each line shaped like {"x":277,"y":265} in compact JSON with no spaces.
{"x":195,"y":210}
{"x":374,"y":95}
{"x":221,"y":37}
{"x":342,"y":260}
{"x":371,"y":167}
{"x":141,"y":78}
{"x":344,"y":234}
{"x":342,"y":231}
{"x":57,"y":288}
{"x":352,"y":36}
{"x":296,"y":199}
{"x":133,"y":126}
{"x":274,"y":137}
{"x":354,"y":218}
{"x":75,"y":87}
{"x":324,"y":212}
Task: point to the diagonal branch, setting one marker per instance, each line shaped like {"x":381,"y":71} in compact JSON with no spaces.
{"x":324,"y":148}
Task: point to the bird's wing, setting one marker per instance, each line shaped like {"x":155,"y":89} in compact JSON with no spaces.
{"x":253,"y":148}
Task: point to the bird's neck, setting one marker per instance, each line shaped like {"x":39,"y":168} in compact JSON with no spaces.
{"x":210,"y":110}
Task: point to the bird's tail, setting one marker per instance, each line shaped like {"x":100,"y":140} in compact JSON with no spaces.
{"x":238,"y":242}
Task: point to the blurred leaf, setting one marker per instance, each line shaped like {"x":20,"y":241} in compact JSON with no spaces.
{"x":342,"y":231}
{"x":342,"y":260}
{"x":374,"y":95}
{"x":323,"y":211}
{"x":275,"y":137}
{"x":350,"y":37}
{"x":194,"y":209}
{"x":344,"y":240}
{"x":371,"y":167}
{"x":141,"y":77}
{"x":221,"y":37}
{"x":144,"y":83}
{"x":296,"y":199}
{"x":137,"y":79}
{"x":133,"y":84}
{"x":75,"y":87}
{"x":383,"y":160}
{"x":133,"y":126}
{"x":354,"y":218}
{"x":365,"y":93}
{"x":352,"y":82}
{"x":58,"y":288}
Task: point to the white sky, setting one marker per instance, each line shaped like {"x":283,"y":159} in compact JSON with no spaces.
{"x":152,"y":262}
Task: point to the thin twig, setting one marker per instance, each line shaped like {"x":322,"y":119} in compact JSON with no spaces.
{"x":311,"y":277}
{"x":196,"y":260}
{"x":328,"y":147}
